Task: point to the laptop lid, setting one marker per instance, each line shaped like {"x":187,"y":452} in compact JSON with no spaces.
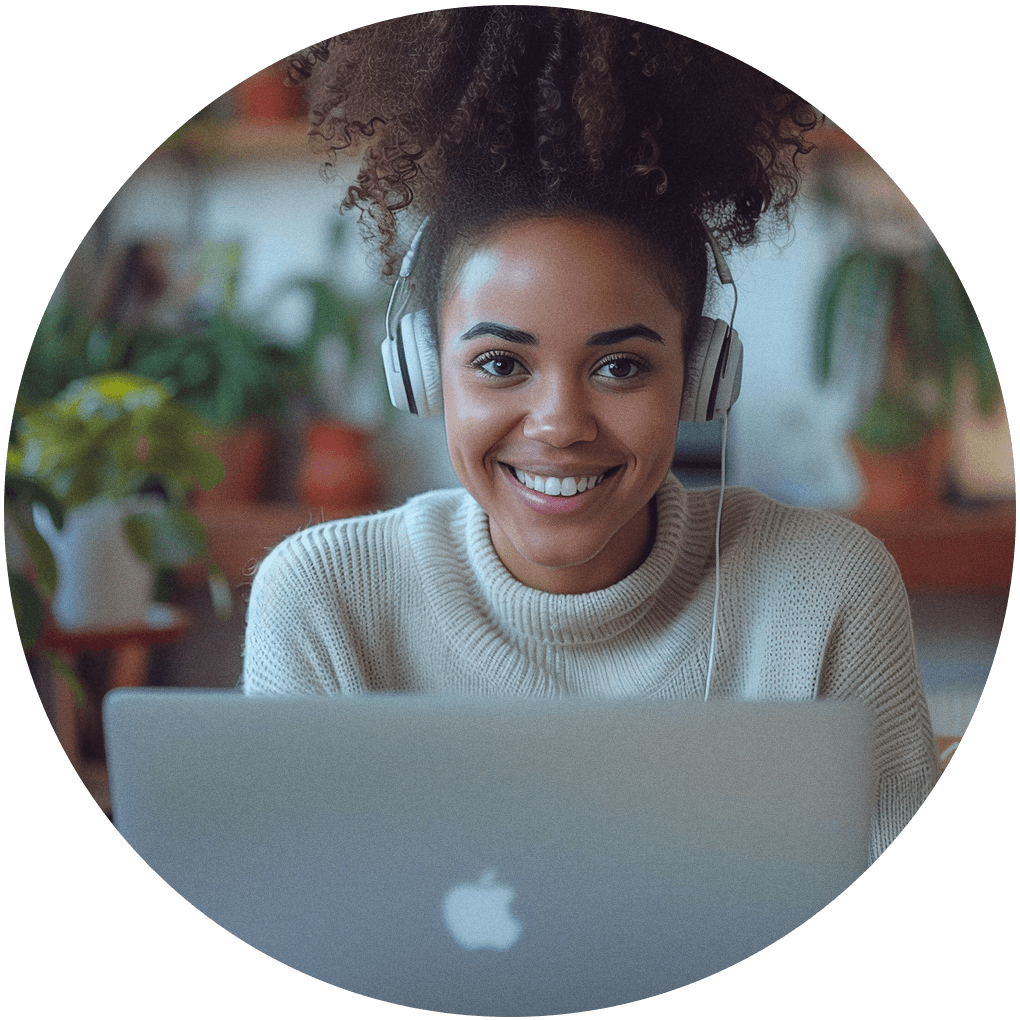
{"x":494,"y":856}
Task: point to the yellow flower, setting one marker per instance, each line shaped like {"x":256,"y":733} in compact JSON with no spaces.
{"x":114,"y":386}
{"x":111,"y":394}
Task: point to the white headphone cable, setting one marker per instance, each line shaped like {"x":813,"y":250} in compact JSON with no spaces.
{"x":718,"y":529}
{"x":725,"y":277}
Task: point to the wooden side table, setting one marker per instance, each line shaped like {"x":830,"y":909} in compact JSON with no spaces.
{"x":129,"y":646}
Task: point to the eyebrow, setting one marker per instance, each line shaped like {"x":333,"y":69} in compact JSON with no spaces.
{"x":607,"y":338}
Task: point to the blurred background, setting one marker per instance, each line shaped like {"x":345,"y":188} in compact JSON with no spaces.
{"x":223,"y":272}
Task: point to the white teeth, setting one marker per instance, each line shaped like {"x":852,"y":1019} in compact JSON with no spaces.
{"x":552,"y":486}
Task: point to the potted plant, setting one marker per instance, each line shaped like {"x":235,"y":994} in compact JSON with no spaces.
{"x":220,"y":364}
{"x":335,"y":474}
{"x":120,"y":457}
{"x":902,"y":324}
{"x":226,"y":370}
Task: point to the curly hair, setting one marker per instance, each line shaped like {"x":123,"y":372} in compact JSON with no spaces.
{"x":482,"y":114}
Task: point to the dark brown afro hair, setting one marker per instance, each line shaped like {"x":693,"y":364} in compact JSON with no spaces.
{"x":482,"y":114}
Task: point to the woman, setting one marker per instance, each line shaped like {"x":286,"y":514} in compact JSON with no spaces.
{"x":570,"y":165}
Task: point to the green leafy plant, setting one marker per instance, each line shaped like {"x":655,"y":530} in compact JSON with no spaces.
{"x":911,"y":317}
{"x":35,"y":580}
{"x":223,"y":367}
{"x":70,"y":345}
{"x":219,"y":363}
{"x":116,"y":435}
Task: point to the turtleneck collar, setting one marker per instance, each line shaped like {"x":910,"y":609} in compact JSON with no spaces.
{"x":529,"y":615}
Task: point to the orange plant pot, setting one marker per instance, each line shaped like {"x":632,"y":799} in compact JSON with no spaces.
{"x":335,"y":475}
{"x":245,"y":455}
{"x":905,"y":480}
{"x":263,"y":98}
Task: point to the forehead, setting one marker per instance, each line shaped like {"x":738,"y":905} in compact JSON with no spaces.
{"x":546,"y":268}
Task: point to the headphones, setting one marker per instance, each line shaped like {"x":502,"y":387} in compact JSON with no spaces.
{"x":411,"y":358}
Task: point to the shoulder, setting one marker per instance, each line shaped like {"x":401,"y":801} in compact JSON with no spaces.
{"x":806,"y":542}
{"x":374,"y":543}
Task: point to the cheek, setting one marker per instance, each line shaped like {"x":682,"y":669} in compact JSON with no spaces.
{"x":464,"y":412}
{"x":463,"y":406}
{"x":473,"y":425}
{"x":648,"y":427}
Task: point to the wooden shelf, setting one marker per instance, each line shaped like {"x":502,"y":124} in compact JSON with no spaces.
{"x":941,"y":549}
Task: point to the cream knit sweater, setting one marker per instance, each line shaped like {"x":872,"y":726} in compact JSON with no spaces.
{"x":416,"y":599}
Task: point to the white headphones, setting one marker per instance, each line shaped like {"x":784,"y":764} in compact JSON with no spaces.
{"x":411,"y":359}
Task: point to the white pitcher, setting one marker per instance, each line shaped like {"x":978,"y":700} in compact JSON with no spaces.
{"x":101,"y":581}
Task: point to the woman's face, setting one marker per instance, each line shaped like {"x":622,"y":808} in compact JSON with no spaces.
{"x":562,"y":374}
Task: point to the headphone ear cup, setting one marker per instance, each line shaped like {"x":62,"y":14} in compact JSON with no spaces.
{"x":430,"y":403}
{"x":394,"y":377}
{"x":712,"y":373}
{"x":411,"y":363}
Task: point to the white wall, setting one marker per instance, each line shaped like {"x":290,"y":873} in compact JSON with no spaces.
{"x":787,"y":434}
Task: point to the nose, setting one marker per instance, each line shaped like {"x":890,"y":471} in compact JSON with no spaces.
{"x":560,"y":414}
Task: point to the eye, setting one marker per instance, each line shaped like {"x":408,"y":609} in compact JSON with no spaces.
{"x":619,"y":366}
{"x":498,"y":364}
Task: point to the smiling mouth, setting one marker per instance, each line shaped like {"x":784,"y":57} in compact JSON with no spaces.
{"x":562,"y":485}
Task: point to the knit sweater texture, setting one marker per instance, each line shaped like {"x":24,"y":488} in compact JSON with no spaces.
{"x":416,"y":600}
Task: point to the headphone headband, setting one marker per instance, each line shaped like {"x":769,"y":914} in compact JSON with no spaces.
{"x":411,"y":361}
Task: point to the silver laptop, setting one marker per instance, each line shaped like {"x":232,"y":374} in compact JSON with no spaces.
{"x":494,"y":856}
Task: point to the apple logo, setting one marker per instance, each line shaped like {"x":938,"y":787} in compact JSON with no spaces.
{"x":477,"y":914}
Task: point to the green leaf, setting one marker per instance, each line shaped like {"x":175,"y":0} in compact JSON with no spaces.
{"x":28,"y":490}
{"x":890,"y":425}
{"x":169,"y":537}
{"x":40,"y":554}
{"x":854,"y":307}
{"x":139,"y":532}
{"x":28,"y":609}
{"x":64,"y":671}
{"x":927,"y":354}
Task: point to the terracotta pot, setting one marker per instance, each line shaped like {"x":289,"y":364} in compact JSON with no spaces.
{"x":905,"y":480}
{"x":335,"y":475}
{"x":264,"y":97}
{"x":245,"y":455}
